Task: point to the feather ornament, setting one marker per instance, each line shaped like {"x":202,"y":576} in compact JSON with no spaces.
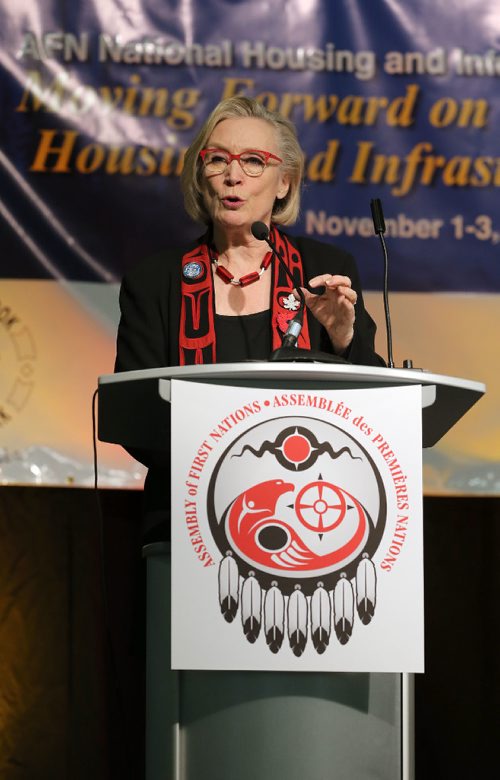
{"x":343,"y":609}
{"x":229,"y":581}
{"x":297,"y":621}
{"x":251,"y":608}
{"x":321,"y":618}
{"x":274,"y":618}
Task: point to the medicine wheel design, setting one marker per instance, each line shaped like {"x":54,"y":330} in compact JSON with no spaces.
{"x":320,"y":506}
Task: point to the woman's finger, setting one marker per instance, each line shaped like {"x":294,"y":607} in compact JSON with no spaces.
{"x":330,"y":280}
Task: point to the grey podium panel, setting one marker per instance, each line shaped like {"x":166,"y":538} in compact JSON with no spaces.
{"x":270,"y":726}
{"x":262,"y":725}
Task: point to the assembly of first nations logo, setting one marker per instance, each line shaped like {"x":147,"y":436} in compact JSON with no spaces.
{"x":297,"y":508}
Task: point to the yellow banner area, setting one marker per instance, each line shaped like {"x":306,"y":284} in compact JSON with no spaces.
{"x":57,"y":338}
{"x":452,"y":334}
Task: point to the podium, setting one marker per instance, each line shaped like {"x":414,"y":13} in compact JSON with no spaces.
{"x":263,"y":725}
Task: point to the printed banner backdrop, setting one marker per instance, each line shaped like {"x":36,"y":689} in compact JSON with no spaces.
{"x":98,"y":103}
{"x":297,"y":529}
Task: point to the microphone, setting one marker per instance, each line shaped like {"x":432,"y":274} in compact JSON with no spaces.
{"x":260,"y":231}
{"x":379,"y":226}
{"x":289,"y":350}
{"x":377,"y":215}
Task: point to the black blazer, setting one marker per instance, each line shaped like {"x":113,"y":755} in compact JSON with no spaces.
{"x":150,"y":308}
{"x":150,"y":304}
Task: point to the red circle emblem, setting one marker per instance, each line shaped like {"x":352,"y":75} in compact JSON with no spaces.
{"x":296,"y":448}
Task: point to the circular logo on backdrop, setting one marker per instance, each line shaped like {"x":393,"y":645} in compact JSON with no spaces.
{"x":296,"y":501}
{"x":17,"y":364}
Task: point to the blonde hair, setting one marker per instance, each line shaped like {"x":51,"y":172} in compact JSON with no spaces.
{"x":286,"y":210}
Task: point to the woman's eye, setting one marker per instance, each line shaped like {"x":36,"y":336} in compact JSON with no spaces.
{"x":254,"y":159}
{"x":218,"y":158}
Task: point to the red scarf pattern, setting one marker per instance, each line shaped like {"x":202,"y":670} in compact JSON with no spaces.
{"x":197,"y":342}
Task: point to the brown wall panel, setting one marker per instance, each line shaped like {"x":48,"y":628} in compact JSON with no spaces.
{"x":71,"y":691}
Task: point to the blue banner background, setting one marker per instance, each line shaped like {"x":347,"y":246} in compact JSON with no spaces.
{"x":98,"y":100}
{"x":71,"y":219}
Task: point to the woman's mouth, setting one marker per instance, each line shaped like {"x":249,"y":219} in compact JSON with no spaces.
{"x":232,"y":202}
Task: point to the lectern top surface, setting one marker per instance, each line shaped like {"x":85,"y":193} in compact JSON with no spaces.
{"x":444,"y":401}
{"x":256,"y":370}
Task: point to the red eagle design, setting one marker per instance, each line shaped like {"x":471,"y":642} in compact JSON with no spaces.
{"x":254,"y":528}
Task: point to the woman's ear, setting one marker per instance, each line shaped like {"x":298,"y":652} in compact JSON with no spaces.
{"x":283,"y":187}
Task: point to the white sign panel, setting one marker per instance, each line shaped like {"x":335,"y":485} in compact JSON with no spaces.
{"x":297,"y":529}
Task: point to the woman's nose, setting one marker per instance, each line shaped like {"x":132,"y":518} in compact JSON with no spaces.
{"x":233,"y":171}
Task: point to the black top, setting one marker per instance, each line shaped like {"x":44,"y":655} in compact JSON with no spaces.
{"x":243,"y":337}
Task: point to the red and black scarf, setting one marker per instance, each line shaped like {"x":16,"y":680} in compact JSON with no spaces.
{"x":197,"y":343}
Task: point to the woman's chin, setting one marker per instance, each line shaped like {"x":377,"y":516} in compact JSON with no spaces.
{"x":233,"y":220}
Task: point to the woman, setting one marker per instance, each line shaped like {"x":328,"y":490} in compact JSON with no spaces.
{"x":222,"y":299}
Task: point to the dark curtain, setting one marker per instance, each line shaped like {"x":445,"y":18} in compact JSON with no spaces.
{"x":457,"y":723}
{"x":71,"y":661}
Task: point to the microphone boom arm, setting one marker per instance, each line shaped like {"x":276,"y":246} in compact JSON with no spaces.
{"x":379,"y":226}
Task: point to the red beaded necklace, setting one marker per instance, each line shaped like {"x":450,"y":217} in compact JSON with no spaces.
{"x":243,"y":281}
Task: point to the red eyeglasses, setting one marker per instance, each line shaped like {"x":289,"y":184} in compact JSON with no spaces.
{"x":253,"y":162}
